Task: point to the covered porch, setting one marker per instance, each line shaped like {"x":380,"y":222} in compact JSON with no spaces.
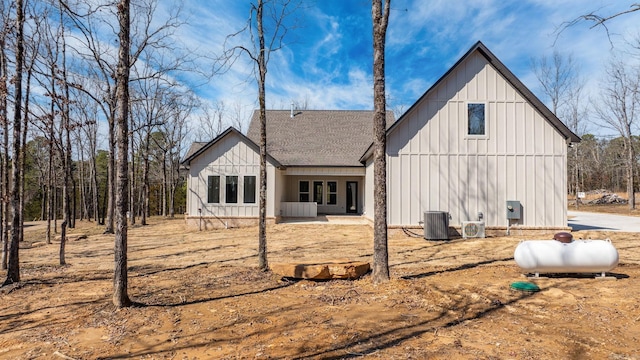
{"x":311,"y":192}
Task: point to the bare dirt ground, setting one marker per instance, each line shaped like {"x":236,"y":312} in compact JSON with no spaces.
{"x":201,"y":297}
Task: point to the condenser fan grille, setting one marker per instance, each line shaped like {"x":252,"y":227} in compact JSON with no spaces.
{"x":471,"y":230}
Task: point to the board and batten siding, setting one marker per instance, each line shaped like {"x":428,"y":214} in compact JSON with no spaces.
{"x":230,"y":156}
{"x":368,"y":191}
{"x":433,"y":165}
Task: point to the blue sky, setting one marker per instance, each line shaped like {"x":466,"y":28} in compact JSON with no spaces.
{"x":327,"y":60}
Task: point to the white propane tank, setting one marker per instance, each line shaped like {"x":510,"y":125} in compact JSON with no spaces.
{"x":579,"y":256}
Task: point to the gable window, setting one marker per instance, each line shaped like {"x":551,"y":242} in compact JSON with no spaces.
{"x":303,"y":191}
{"x":249,"y":189}
{"x":213,"y":189}
{"x":332,"y":193}
{"x":317,"y":191}
{"x":231,"y":196}
{"x":476,"y":119}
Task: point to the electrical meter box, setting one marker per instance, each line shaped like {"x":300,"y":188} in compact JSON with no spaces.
{"x":514,"y":209}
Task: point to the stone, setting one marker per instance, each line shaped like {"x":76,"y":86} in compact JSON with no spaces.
{"x":71,"y":237}
{"x":322,"y":270}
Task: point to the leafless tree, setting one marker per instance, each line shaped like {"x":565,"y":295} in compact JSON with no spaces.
{"x":101,"y":62}
{"x":380,"y":16}
{"x":210,"y":121}
{"x":598,"y":20}
{"x":4,"y":119}
{"x":263,"y":44}
{"x":120,"y":279}
{"x":619,"y":108}
{"x":561,"y":84}
{"x":239,"y":115}
{"x":13,"y":261}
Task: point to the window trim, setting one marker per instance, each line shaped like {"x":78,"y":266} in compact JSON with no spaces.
{"x":226,"y":189}
{"x":308,"y":192}
{"x":211,"y":199}
{"x":321,"y":182}
{"x":245,"y":188}
{"x":486,"y":120}
{"x":329,"y":193}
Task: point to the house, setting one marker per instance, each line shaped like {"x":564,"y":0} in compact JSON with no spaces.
{"x":476,"y":144}
{"x":313,"y":168}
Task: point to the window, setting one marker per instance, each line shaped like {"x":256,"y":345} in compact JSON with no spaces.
{"x":213,"y":189}
{"x":476,"y":119}
{"x":249,"y":189}
{"x":303,"y":190}
{"x":231,"y":196}
{"x":332,"y":193}
{"x":317,"y":191}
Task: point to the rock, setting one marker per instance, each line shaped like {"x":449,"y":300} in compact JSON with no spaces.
{"x":322,"y":270}
{"x":72,"y":237}
{"x":608,"y":199}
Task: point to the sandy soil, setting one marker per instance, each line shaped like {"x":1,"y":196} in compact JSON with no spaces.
{"x":202,"y":298}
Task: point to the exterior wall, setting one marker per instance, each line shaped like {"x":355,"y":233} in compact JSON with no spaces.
{"x":210,"y":223}
{"x":368,"y":190}
{"x":433,"y":165}
{"x":279,"y":186}
{"x":230,"y":156}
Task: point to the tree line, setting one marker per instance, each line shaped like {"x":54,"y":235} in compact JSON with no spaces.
{"x":59,"y":83}
{"x":68,"y":67}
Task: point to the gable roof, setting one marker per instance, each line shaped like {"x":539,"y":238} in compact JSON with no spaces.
{"x":333,"y":138}
{"x":197,"y":148}
{"x":512,"y":79}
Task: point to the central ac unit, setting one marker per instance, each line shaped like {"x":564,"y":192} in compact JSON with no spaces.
{"x":472,"y":229}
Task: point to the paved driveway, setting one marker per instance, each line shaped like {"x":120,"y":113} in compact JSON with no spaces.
{"x":580,"y":220}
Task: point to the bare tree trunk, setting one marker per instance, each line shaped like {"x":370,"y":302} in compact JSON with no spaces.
{"x":23,"y":141}
{"x":111,"y":183}
{"x":132,"y":213}
{"x":50,"y":196}
{"x":120,"y":296}
{"x":380,"y":271}
{"x":4,"y":223}
{"x":631,"y":160}
{"x":576,"y":175}
{"x":13,"y":263}
{"x":263,"y":264}
{"x":164,"y":183}
{"x":145,"y":180}
{"x":95,"y":190}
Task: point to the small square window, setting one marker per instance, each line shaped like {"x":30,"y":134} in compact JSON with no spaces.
{"x":476,"y":119}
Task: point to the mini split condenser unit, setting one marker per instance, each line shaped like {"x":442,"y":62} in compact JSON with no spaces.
{"x":472,"y":229}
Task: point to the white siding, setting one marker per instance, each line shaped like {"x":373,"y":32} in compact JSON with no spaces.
{"x":230,"y":156}
{"x":434,"y":166}
{"x":368,"y":191}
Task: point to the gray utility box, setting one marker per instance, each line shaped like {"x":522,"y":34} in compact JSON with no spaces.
{"x":436,"y":225}
{"x":514,"y":210}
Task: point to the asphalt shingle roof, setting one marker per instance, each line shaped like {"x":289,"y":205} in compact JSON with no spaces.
{"x":197,"y":145}
{"x":316,"y":137}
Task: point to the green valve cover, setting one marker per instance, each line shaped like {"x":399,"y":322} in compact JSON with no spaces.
{"x":525,"y":286}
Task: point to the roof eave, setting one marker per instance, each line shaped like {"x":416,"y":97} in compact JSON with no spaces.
{"x":569,"y":135}
{"x":187,"y":162}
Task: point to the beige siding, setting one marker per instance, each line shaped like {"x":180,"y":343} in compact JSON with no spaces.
{"x":368,"y":190}
{"x":434,"y":166}
{"x":230,"y":156}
